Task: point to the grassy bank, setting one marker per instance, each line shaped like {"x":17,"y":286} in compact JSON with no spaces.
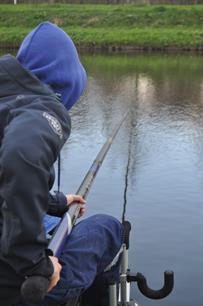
{"x":110,"y":26}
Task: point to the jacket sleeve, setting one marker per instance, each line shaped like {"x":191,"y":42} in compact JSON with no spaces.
{"x":57,"y":204}
{"x":31,"y":144}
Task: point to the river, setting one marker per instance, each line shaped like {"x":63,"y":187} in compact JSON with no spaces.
{"x":162,"y":142}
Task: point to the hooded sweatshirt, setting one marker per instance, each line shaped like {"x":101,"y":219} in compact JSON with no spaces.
{"x":49,"y":53}
{"x":34,"y":125}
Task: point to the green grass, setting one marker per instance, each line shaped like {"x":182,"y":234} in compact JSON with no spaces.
{"x":184,"y":66}
{"x":108,"y":25}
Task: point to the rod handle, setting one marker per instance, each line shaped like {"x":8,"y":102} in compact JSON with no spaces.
{"x":156,"y":294}
{"x":34,"y":289}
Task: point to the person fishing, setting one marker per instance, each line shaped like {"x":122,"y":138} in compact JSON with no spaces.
{"x":37,"y":88}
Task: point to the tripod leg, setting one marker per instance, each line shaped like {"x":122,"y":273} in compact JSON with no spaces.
{"x":113,"y":295}
{"x":73,"y":302}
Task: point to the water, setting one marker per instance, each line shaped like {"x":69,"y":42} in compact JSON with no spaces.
{"x":162,"y":140}
{"x":163,"y":137}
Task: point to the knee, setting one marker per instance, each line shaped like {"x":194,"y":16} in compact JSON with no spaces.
{"x":105,"y":220}
{"x":108,"y":225}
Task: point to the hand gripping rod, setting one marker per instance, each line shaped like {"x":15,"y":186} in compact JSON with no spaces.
{"x":34,"y":288}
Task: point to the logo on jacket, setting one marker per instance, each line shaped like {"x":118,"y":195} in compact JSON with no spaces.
{"x":54,"y":124}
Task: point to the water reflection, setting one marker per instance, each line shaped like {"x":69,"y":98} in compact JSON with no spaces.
{"x":164,"y":134}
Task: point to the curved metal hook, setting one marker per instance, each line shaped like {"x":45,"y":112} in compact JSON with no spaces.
{"x":156,"y":294}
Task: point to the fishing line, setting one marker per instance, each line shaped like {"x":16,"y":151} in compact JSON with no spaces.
{"x":59,"y":172}
{"x":127,"y":171}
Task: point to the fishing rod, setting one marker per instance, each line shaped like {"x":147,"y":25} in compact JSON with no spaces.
{"x":34,"y":288}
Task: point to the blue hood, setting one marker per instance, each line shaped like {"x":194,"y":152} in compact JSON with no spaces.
{"x":49,"y":53}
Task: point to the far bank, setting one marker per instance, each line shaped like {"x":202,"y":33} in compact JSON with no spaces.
{"x":110,"y":27}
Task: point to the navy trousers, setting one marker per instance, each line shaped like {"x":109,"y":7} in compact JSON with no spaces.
{"x":91,"y":247}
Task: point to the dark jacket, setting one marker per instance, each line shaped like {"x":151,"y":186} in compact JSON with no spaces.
{"x":34,"y":126}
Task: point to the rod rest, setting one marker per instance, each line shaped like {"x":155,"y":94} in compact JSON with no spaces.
{"x":126,"y":233}
{"x":150,"y":293}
